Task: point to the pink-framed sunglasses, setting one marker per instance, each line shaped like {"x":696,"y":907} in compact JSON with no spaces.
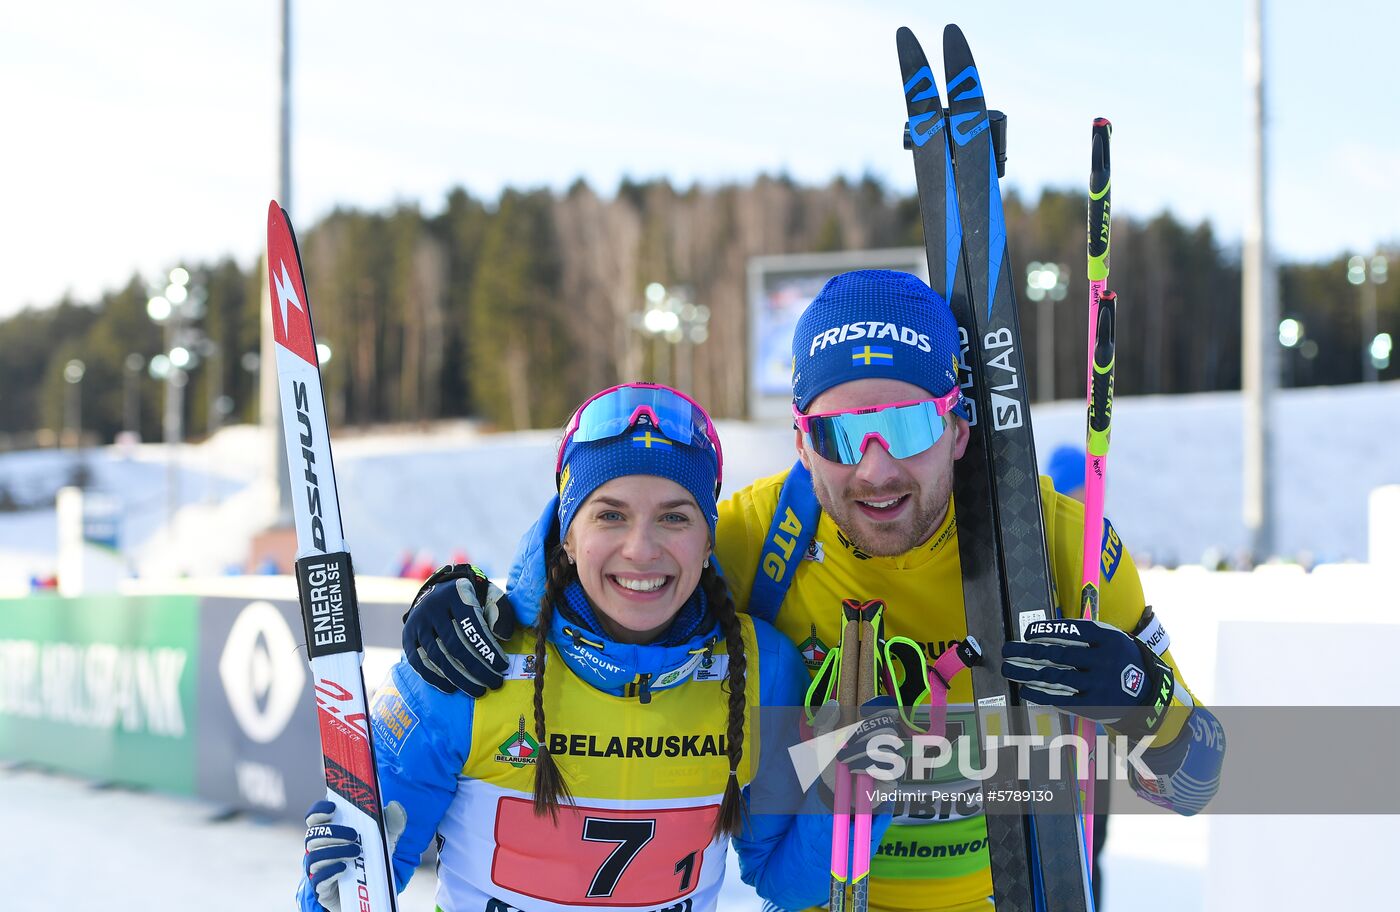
{"x":615,"y":411}
{"x":904,"y":428}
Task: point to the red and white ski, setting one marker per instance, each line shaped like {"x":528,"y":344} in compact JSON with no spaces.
{"x":325,"y":579}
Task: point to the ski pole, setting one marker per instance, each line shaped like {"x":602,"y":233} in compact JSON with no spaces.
{"x":1100,"y":408}
{"x":1096,"y":449}
{"x":1102,"y":313}
{"x":841,"y":788}
{"x":1100,"y":416}
{"x":1100,"y":223}
{"x":866,"y":670}
{"x":855,"y":684}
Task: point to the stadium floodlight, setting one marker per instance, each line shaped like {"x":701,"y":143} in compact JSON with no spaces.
{"x":1356,"y":270}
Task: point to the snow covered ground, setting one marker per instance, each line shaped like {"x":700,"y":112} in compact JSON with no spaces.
{"x":1173,"y":486}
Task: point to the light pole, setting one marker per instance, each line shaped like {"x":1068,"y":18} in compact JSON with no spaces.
{"x":1381,"y":348}
{"x":170,"y":309}
{"x":1046,"y":283}
{"x":1259,"y":309}
{"x":1293,"y":335}
{"x":73,"y":375}
{"x":269,"y":402}
{"x":131,"y":395}
{"x":1290,"y":333}
{"x":208,"y":350}
{"x":251,"y":362}
{"x":1358,"y":273}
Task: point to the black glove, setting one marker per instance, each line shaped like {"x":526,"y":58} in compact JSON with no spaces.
{"x":1093,"y":670}
{"x":452,"y":633}
{"x":879,"y":716}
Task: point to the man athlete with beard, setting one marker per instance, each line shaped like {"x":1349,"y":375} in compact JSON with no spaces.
{"x":880,"y":426}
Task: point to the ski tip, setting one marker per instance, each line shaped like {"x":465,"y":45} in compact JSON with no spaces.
{"x":955,"y":44}
{"x":911,"y":53}
{"x":277,"y":218}
{"x":1102,"y":123}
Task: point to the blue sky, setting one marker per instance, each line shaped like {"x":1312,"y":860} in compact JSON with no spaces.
{"x":144,"y":133}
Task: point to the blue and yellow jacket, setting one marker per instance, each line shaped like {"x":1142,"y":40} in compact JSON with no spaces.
{"x":647,"y":777}
{"x":937,"y":858}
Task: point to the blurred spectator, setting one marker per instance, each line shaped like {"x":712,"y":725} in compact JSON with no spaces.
{"x":39,"y":583}
{"x":422,"y":566}
{"x":1066,"y":470}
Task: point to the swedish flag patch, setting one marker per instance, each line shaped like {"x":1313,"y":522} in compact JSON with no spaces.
{"x":868,"y":355}
{"x":650,"y":439}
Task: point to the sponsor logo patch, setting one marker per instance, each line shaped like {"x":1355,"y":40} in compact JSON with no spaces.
{"x":777,"y":551}
{"x":520,"y":667}
{"x":676,"y":674}
{"x":1133,"y":678}
{"x":628,"y":748}
{"x":1112,"y":552}
{"x":520,"y":749}
{"x":872,"y":331}
{"x":592,"y":663}
{"x":396,"y":720}
{"x":715,"y":668}
{"x":813,"y":650}
{"x":1154,"y":635}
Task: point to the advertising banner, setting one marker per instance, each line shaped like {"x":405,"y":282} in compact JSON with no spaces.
{"x":780,"y":288}
{"x":102,"y":686}
{"x":259,"y":749}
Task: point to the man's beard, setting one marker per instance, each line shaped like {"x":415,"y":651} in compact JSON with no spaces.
{"x":924,"y":514}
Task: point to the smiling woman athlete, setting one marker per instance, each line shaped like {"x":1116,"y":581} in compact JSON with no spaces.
{"x":618,"y":758}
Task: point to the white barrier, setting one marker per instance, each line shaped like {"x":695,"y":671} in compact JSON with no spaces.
{"x":1277,"y":636}
{"x":1383,"y":532}
{"x":89,"y":529}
